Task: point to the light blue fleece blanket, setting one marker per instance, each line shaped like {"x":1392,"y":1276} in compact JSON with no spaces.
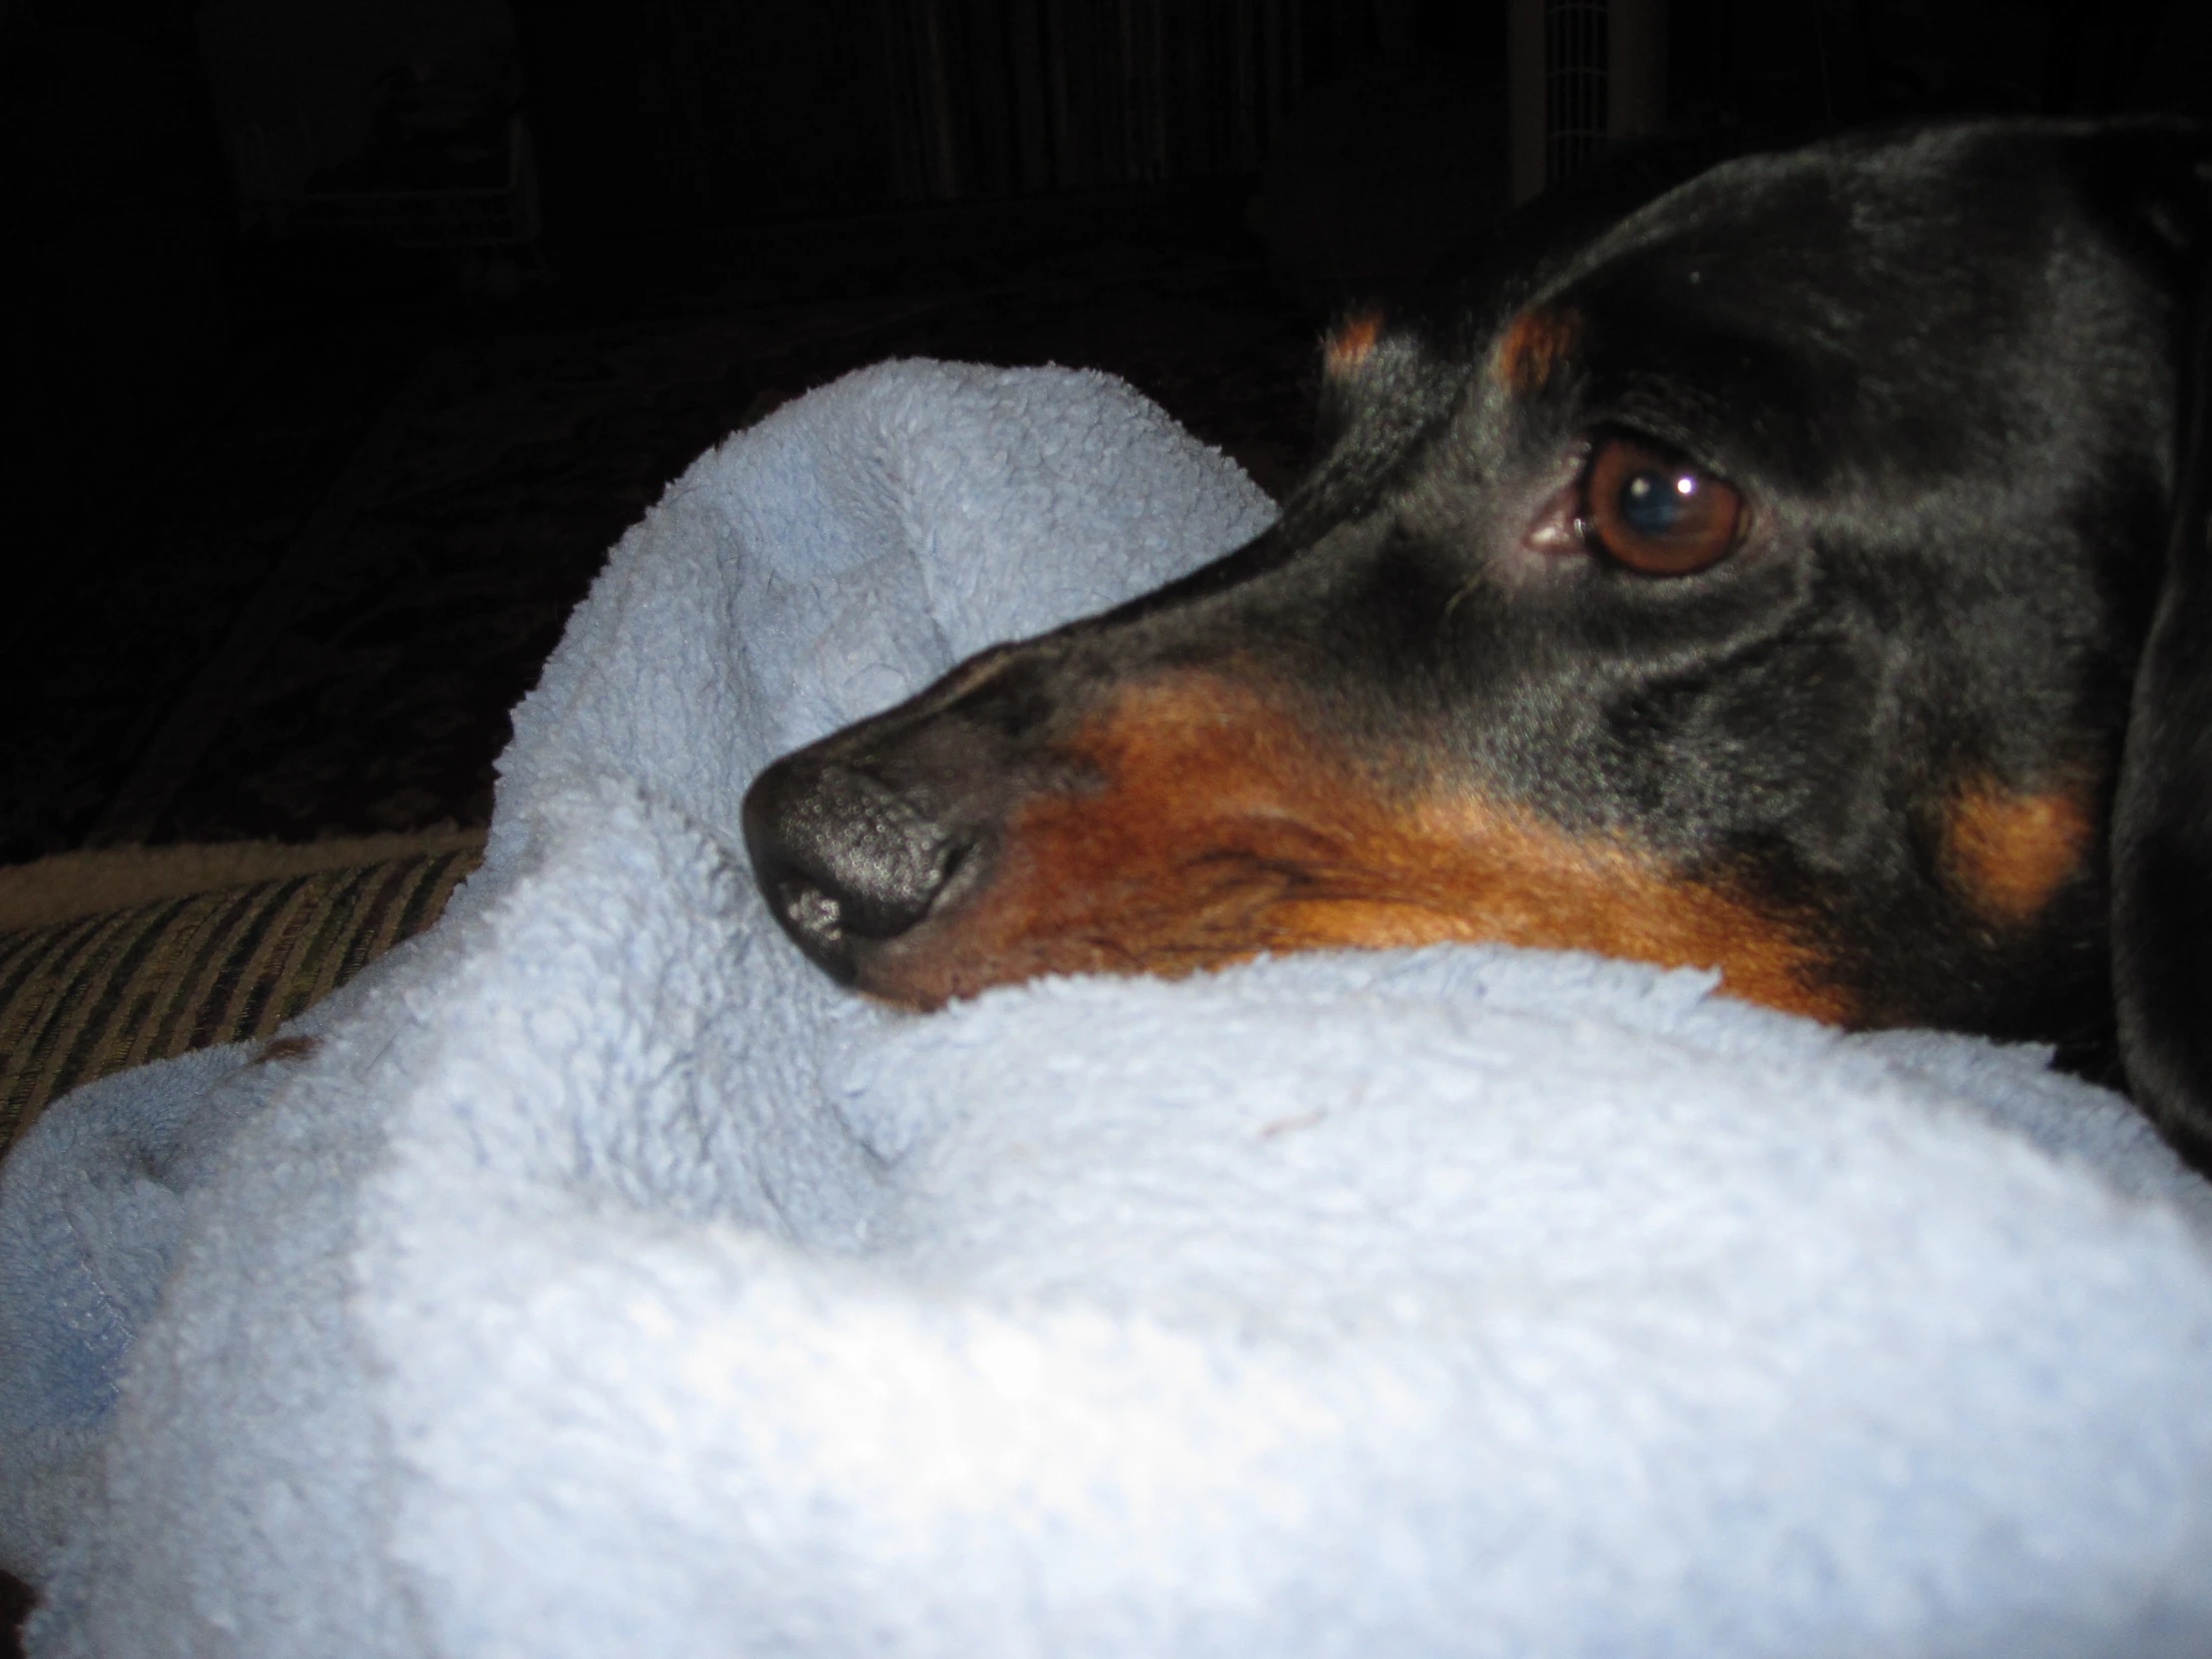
{"x":609,"y":1282}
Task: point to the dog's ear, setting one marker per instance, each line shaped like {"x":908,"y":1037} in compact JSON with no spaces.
{"x":2162,"y":817}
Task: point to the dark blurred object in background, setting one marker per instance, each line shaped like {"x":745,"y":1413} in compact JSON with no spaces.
{"x":119,"y":228}
{"x":1385,"y":167}
{"x":243,"y":228}
{"x":277,"y":254}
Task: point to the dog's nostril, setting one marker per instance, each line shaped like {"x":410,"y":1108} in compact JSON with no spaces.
{"x":843,"y":858}
{"x":809,"y":909}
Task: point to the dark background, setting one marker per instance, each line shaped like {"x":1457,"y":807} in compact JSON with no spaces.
{"x":294,"y":515}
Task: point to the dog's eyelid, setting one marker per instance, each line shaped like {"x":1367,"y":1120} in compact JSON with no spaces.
{"x":1672,"y":439}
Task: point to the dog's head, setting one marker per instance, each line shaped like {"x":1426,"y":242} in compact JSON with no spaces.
{"x":1800,"y":574}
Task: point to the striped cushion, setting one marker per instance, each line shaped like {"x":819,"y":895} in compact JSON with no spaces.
{"x":84,"y":997}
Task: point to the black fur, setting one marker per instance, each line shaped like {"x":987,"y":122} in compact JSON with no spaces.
{"x":1952,"y":371}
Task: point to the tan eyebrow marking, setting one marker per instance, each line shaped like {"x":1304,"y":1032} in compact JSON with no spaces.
{"x":1352,"y":343}
{"x":2010,"y":853}
{"x":1534,"y":346}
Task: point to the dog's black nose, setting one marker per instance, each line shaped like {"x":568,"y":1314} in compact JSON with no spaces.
{"x":843,"y":858}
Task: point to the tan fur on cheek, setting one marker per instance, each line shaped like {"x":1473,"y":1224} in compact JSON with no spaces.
{"x":1221,"y":832}
{"x":2009,"y":853}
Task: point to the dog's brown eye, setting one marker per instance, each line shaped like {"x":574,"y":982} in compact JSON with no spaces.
{"x":1654,"y":512}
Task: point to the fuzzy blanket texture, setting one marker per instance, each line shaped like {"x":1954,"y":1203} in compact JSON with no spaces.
{"x":607,"y":1282}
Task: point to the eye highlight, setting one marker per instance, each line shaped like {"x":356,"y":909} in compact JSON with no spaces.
{"x":1654,"y":512}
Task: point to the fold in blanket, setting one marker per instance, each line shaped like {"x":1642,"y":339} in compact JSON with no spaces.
{"x":606,"y":1281}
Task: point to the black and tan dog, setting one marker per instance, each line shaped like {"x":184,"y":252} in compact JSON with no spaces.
{"x":1802,"y":572}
